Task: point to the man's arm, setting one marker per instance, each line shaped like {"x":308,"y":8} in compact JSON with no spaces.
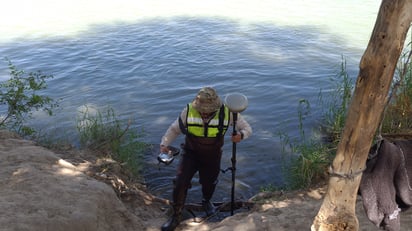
{"x":244,"y":130}
{"x":172,"y":132}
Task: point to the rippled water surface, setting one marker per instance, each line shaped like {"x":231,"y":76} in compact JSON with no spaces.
{"x":147,"y":59}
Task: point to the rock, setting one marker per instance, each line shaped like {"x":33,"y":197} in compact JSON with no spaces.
{"x":40,"y":191}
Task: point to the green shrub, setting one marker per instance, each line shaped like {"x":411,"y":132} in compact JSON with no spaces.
{"x":306,"y":159}
{"x":20,"y":95}
{"x":104,"y":133}
{"x":398,"y":113}
{"x":335,"y":105}
{"x":311,"y":157}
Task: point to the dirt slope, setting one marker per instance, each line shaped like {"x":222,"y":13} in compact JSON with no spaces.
{"x":69,"y":190}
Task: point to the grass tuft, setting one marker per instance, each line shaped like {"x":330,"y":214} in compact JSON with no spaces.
{"x":103,"y":132}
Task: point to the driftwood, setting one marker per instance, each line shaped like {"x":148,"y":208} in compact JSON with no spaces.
{"x":376,"y":71}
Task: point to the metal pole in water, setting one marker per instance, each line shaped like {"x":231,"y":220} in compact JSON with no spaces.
{"x":236,"y":103}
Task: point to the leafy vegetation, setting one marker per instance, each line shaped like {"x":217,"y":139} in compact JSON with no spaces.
{"x":21,"y":95}
{"x":398,"y":114}
{"x":105,"y":133}
{"x":335,"y":105}
{"x":310,"y":157}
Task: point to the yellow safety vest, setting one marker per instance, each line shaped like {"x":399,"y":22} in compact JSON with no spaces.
{"x":217,"y":126}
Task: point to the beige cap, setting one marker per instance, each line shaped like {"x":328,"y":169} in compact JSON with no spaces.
{"x":206,"y":100}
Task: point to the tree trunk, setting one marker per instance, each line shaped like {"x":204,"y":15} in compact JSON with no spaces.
{"x":377,"y":67}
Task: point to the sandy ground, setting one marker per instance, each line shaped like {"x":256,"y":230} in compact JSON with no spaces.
{"x":67,"y":189}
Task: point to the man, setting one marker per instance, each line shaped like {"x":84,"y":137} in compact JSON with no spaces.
{"x":204,"y":122}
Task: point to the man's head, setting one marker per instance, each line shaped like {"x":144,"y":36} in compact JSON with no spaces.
{"x":206,"y":101}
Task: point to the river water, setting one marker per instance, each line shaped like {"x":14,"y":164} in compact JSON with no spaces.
{"x":146,"y":59}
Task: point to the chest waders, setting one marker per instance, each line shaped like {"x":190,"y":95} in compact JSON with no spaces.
{"x":203,"y":155}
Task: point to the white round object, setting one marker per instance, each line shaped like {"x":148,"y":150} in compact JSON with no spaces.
{"x":236,"y":102}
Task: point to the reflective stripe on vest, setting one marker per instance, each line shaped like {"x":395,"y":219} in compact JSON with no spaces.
{"x":196,"y":127}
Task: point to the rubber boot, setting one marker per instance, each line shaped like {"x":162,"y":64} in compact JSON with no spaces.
{"x":208,"y":190}
{"x":173,"y":221}
{"x":179,"y":198}
{"x":208,"y":207}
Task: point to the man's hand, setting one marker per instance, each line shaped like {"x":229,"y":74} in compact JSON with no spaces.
{"x":164,"y":149}
{"x":236,"y":138}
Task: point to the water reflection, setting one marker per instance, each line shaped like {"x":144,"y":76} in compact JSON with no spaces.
{"x":147,"y":71}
